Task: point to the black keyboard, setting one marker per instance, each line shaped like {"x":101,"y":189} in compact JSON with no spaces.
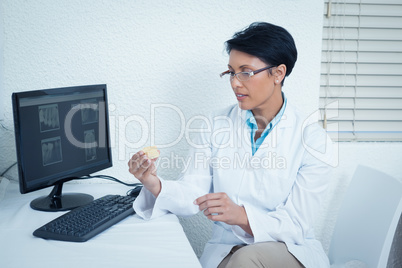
{"x":83,"y":223}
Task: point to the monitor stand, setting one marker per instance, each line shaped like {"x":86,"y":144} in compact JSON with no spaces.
{"x":56,"y":201}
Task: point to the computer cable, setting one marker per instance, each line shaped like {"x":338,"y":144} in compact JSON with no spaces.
{"x":4,"y":127}
{"x":10,"y":167}
{"x":133,"y":192}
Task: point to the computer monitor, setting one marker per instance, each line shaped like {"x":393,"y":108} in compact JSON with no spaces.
{"x":61,"y":134}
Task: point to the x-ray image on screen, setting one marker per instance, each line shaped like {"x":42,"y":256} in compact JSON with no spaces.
{"x":89,"y":111}
{"x":90,"y":145}
{"x":51,"y":151}
{"x":49,"y":117}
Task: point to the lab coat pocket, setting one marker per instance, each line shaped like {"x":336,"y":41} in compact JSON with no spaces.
{"x":274,"y":187}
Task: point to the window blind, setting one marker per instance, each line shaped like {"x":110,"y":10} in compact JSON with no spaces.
{"x":361,"y":70}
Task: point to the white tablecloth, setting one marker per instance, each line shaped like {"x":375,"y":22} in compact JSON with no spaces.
{"x":132,"y":242}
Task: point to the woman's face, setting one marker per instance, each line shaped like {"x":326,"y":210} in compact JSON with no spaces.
{"x":258,"y":93}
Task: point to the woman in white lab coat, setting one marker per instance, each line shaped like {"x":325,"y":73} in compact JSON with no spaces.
{"x":258,"y":169}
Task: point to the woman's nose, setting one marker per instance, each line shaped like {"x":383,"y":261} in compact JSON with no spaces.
{"x":235,"y":82}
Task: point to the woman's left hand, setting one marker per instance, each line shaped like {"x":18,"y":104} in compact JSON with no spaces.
{"x":219,"y":207}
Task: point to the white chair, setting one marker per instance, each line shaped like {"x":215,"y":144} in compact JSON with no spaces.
{"x":367,"y":219}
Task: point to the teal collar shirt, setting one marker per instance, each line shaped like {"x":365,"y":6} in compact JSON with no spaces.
{"x":252,"y":124}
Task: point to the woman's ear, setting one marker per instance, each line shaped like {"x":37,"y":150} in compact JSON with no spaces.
{"x":280,"y":73}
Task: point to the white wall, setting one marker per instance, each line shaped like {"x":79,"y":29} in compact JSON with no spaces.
{"x":148,"y":52}
{"x":1,"y":62}
{"x":162,"y":52}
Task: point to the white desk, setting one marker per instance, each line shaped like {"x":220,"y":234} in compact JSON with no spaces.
{"x":132,"y":242}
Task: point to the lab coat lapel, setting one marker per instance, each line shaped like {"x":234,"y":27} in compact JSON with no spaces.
{"x":275,"y":138}
{"x":243,"y":133}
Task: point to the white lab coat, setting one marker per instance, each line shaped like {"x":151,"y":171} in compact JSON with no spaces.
{"x":281,"y":187}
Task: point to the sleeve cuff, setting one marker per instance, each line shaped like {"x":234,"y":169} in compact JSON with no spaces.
{"x":147,"y":206}
{"x":258,"y":224}
{"x":242,"y":235}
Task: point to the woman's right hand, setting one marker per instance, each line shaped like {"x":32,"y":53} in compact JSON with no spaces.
{"x":145,"y":171}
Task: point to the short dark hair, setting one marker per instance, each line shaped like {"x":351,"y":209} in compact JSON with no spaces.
{"x":270,"y":43}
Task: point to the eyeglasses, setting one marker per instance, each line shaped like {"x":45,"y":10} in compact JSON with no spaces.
{"x":244,"y":76}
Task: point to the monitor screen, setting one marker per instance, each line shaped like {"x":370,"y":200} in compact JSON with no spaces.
{"x":61,"y":134}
